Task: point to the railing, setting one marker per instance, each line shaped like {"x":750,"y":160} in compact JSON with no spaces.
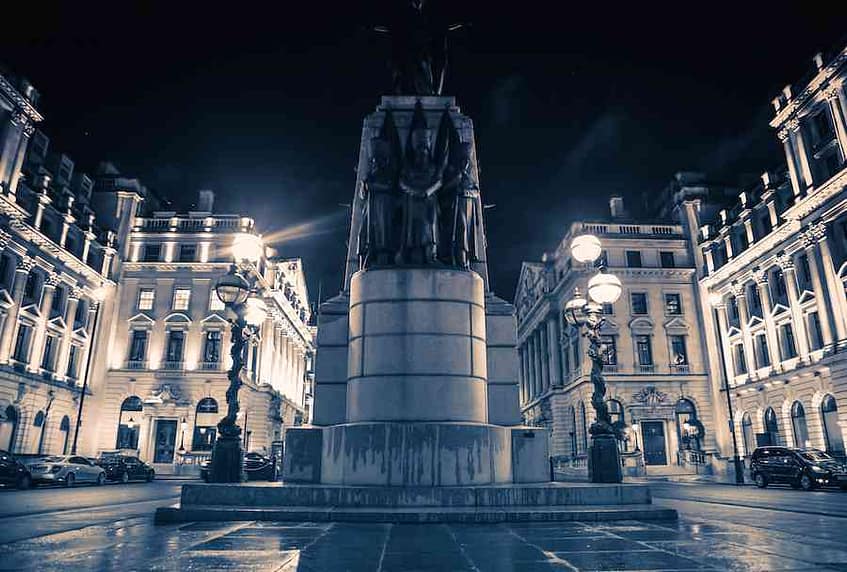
{"x":639,"y":229}
{"x":192,"y":224}
{"x":210,"y":365}
{"x":610,"y":368}
{"x":645,"y":368}
{"x":136,"y":364}
{"x":172,"y":365}
{"x":680,"y":368}
{"x":691,"y":457}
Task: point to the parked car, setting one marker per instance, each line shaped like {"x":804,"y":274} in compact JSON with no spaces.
{"x":125,"y":468}
{"x":67,"y":470}
{"x":804,"y":469}
{"x":13,"y":473}
{"x":257,"y":467}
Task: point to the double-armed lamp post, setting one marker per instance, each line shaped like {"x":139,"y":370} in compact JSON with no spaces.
{"x":237,"y":289}
{"x":586,"y":314}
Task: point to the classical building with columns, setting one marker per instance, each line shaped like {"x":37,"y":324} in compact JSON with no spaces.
{"x":656,"y":371}
{"x":774,"y":266}
{"x":164,"y":367}
{"x":55,"y":269}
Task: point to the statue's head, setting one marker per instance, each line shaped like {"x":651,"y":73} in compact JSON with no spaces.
{"x":421,"y":143}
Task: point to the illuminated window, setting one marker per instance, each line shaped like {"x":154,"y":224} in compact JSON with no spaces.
{"x":146,"y":297}
{"x":182,"y":296}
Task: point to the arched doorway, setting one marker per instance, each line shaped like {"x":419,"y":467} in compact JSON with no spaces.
{"x":65,"y":430}
{"x":128,"y":421}
{"x":205,"y":425}
{"x":798,"y":425}
{"x":747,"y":434}
{"x":833,"y":437}
{"x":771,"y":427}
{"x":689,"y":429}
{"x":9,"y":429}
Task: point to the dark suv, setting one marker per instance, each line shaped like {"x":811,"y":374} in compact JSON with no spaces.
{"x":125,"y":468}
{"x":801,"y":468}
{"x":13,"y":472}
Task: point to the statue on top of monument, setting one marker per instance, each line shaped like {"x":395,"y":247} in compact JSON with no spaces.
{"x":379,"y":194}
{"x":418,"y":49}
{"x":465,"y":215}
{"x":421,"y":177}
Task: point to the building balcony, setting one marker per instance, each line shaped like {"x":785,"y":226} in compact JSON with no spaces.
{"x":679,"y":368}
{"x":645,"y":368}
{"x":610,"y":368}
{"x":173,"y":365}
{"x":136,"y":364}
{"x":210,"y":365}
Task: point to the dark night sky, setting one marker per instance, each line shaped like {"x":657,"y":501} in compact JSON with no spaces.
{"x":265,"y":106}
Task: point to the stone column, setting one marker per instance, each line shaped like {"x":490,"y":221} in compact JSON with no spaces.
{"x":832,"y":96}
{"x":93,"y":305}
{"x":747,"y":337}
{"x":802,"y":154}
{"x":545,"y":357}
{"x":710,"y":260}
{"x":47,"y":293}
{"x":10,"y":326}
{"x":723,"y":328}
{"x":728,"y":242}
{"x":64,"y":350}
{"x":790,"y":158}
{"x":527,"y":380}
{"x":800,"y":333}
{"x":833,"y":282}
{"x":761,"y":279}
{"x":553,"y":337}
{"x":521,"y":374}
{"x":539,"y":363}
{"x":533,"y":367}
{"x":824,"y":315}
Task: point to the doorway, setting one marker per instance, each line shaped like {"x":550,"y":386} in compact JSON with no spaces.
{"x":165,"y":441}
{"x":653,"y":434}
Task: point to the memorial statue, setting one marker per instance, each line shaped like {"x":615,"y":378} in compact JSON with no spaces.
{"x":379,"y":198}
{"x":418,"y":49}
{"x":466,"y":217}
{"x":421,"y":177}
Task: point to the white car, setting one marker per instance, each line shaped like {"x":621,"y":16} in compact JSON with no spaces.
{"x":68,"y":470}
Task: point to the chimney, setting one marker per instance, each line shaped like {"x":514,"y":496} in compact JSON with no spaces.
{"x":616,"y":206}
{"x":205,"y":201}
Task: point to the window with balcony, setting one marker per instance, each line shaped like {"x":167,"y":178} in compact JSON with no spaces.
{"x":666,"y":260}
{"x":146,"y":298}
{"x":815,"y":333}
{"x":787,"y":347}
{"x":610,"y":350}
{"x":152,"y":252}
{"x":763,"y":357}
{"x":187,"y":252}
{"x":679,"y":354}
{"x":48,"y":357}
{"x":739,"y":359}
{"x":73,"y":359}
{"x":644,"y":353}
{"x":174,"y":349}
{"x":673,"y":304}
{"x":754,"y":300}
{"x":182,"y":297}
{"x":639,"y":302}
{"x":138,"y":349}
{"x":633,"y":259}
{"x":22,"y":342}
{"x":212,"y":350}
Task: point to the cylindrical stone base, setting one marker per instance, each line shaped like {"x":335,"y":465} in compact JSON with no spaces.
{"x":417,"y":346}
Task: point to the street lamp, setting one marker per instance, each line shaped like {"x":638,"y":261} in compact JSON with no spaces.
{"x":635,"y":427}
{"x":604,"y":464}
{"x":183,"y":426}
{"x":234,"y":289}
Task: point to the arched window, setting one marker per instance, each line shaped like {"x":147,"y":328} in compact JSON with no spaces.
{"x":689,"y":430}
{"x":747,"y":434}
{"x":574,"y":449}
{"x":128,"y":424}
{"x":771,"y":426}
{"x":798,"y":424}
{"x":831,"y":428}
{"x":65,"y":428}
{"x":8,"y":429}
{"x":584,"y":426}
{"x":39,"y":419}
{"x":205,"y":425}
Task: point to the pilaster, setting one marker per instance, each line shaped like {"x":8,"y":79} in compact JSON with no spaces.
{"x":22,"y":270}
{"x":800,"y":334}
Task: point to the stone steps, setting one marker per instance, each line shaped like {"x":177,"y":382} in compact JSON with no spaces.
{"x":419,"y":515}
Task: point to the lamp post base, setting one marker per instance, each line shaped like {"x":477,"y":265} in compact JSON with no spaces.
{"x":604,"y":461}
{"x":227,"y":460}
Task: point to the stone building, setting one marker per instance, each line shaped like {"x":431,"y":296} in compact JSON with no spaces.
{"x":55,"y":268}
{"x":774,"y":266}
{"x":658,"y":389}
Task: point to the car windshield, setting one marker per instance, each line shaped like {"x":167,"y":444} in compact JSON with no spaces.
{"x":815,"y":456}
{"x":53,"y":459}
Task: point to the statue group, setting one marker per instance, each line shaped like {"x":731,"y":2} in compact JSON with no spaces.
{"x":420,"y":200}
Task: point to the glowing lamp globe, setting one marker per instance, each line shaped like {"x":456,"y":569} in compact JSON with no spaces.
{"x":574,"y":308}
{"x":604,"y":288}
{"x":247,"y":247}
{"x":232,"y":288}
{"x":586,"y":248}
{"x":256,"y":311}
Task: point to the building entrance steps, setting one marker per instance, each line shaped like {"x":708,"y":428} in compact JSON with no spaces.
{"x":494,"y":503}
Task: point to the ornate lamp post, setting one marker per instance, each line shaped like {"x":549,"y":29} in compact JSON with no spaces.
{"x":234,"y":289}
{"x":604,"y":464}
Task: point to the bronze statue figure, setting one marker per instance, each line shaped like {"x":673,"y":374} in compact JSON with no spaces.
{"x":466,"y":217}
{"x":421,"y":177}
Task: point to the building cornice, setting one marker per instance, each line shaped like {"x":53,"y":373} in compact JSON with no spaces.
{"x":792,"y":108}
{"x":9,"y":91}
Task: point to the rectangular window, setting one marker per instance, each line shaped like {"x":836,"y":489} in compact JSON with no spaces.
{"x":733,"y":313}
{"x":763,"y":357}
{"x":212,"y":351}
{"x":79,"y":317}
{"x":215,"y":302}
{"x":765,"y":223}
{"x":678,"y":353}
{"x":182,"y":296}
{"x":666,"y":260}
{"x":755,"y":300}
{"x":58,"y":306}
{"x":21,"y":353}
{"x":138,"y":346}
{"x":780,"y":292}
{"x":72,"y":360}
{"x":815,"y":332}
{"x":805,"y":273}
{"x":49,"y":350}
{"x":31,"y":286}
{"x":633,"y":259}
{"x":740,"y":359}
{"x":644,"y":350}
{"x":673,"y":304}
{"x":5,"y":264}
{"x":608,"y":309}
{"x":610,"y":350}
{"x":187,"y":252}
{"x":146,"y":298}
{"x":639,"y":302}
{"x":788,"y":349}
{"x":152,"y":252}
{"x":176,"y":340}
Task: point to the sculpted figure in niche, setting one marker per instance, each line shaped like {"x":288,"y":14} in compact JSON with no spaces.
{"x":465,"y":209}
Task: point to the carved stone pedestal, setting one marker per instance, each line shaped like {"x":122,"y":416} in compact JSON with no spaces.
{"x":227,"y":460}
{"x":604,"y":463}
